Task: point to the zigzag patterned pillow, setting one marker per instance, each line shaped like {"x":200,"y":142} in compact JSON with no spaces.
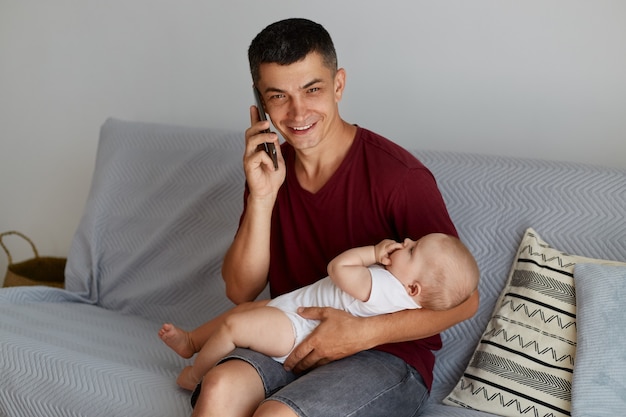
{"x":524,"y":361}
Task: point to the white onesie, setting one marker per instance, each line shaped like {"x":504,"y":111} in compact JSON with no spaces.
{"x":388,"y":295}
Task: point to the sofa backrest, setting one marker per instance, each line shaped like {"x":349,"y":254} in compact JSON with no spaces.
{"x":162,"y":209}
{"x":492,"y":200}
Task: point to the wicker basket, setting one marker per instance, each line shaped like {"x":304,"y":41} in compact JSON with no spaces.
{"x":37,"y":271}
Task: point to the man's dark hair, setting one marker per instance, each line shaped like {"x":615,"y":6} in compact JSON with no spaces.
{"x":288,"y":41}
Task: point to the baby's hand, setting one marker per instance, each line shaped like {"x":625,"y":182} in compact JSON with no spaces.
{"x":385,"y":248}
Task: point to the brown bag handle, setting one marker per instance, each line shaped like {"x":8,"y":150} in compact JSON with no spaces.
{"x":13,"y":232}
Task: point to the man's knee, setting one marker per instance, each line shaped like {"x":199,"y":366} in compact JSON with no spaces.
{"x":274,"y":409}
{"x":223,"y":385}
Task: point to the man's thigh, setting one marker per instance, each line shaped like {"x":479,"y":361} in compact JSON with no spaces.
{"x":272,"y":373}
{"x":370,"y":383}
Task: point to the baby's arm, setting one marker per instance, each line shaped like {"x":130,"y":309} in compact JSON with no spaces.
{"x":349,"y":269}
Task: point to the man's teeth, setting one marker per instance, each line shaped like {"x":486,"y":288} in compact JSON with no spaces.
{"x":303,"y":127}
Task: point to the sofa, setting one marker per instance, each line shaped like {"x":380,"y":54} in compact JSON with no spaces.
{"x":163,"y":207}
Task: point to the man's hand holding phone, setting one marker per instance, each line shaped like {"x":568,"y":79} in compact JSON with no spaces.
{"x":264,"y":175}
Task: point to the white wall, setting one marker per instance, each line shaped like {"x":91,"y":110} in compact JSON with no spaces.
{"x":532,"y":78}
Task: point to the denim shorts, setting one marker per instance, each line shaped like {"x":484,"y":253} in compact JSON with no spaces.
{"x":368,"y":384}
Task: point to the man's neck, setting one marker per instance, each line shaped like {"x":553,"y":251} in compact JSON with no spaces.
{"x":314,"y":167}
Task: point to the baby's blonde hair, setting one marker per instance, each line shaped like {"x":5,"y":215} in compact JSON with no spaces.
{"x":452,"y":277}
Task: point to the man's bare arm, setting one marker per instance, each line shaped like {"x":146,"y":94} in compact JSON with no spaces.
{"x":247,"y":260}
{"x":341,"y":334}
{"x":246,"y":263}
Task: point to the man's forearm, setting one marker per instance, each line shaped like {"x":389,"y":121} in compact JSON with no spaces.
{"x":246,"y":262}
{"x":416,"y":324}
{"x":341,"y":334}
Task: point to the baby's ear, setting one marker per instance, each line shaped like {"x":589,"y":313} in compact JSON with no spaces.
{"x":414,"y":289}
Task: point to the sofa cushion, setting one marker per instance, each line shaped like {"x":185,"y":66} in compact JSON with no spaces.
{"x":599,"y":384}
{"x":524,"y":361}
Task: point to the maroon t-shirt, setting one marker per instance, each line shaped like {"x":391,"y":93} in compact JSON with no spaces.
{"x":379,"y":191}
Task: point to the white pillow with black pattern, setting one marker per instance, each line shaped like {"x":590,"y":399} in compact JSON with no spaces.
{"x":524,"y":362}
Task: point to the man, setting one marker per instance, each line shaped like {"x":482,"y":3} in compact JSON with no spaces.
{"x":336,"y":186}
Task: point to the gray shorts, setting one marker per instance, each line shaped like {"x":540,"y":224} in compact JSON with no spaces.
{"x":370,"y":383}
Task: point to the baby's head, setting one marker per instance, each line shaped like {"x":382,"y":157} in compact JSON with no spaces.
{"x":438,"y":271}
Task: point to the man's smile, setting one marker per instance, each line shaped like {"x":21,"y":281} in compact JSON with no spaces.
{"x":302,"y":128}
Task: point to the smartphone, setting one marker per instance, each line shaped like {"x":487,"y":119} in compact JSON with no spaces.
{"x":268,"y":147}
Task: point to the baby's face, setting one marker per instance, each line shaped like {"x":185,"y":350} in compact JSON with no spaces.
{"x":407,"y":262}
{"x":413,"y":260}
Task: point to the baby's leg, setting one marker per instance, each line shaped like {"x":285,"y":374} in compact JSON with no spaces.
{"x":199,"y":335}
{"x":265,"y":329}
{"x":186,"y":344}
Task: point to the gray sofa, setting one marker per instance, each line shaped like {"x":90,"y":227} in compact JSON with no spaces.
{"x":163,"y":207}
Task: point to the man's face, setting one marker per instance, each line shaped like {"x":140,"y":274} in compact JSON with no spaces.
{"x":302,"y":99}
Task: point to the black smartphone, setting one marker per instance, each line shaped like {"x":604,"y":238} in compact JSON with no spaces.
{"x":268,"y":147}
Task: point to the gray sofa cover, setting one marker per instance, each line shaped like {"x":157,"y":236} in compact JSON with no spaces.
{"x":163,"y":207}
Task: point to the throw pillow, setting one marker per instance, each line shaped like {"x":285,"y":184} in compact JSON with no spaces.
{"x":524,"y":361}
{"x":599,"y":384}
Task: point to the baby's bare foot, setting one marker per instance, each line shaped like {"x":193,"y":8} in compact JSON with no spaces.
{"x":177,"y":339}
{"x":186,"y":379}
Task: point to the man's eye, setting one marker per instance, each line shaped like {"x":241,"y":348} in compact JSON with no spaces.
{"x":314,"y":89}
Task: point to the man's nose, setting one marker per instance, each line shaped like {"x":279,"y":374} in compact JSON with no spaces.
{"x":297,"y":107}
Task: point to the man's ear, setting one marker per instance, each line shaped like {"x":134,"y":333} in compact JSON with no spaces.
{"x":340,"y":84}
{"x":414,"y":289}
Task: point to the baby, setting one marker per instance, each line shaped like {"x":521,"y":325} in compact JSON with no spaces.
{"x":436,"y":272}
